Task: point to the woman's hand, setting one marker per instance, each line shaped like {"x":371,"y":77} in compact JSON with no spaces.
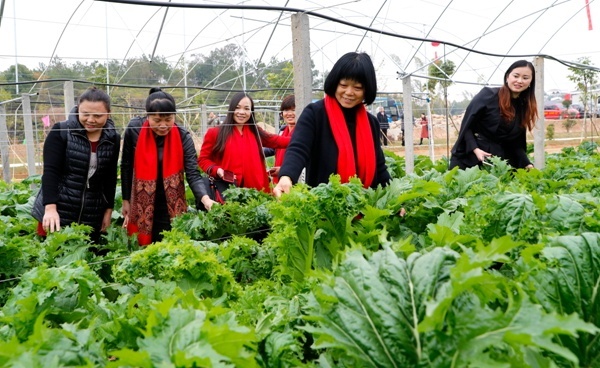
{"x":51,"y":220}
{"x":481,"y":154}
{"x":207,"y":202}
{"x":220,"y":173}
{"x":284,"y":186}
{"x":106,"y":220}
{"x":529,"y":167}
{"x":126,"y":207}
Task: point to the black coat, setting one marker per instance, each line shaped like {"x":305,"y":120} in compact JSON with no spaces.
{"x":383,"y":120}
{"x":190,"y":158}
{"x":67,"y":152}
{"x":482,"y":127}
{"x":313,"y":146}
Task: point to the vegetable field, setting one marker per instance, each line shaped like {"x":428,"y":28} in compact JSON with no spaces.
{"x":487,"y":268}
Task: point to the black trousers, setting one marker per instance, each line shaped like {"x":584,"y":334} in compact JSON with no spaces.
{"x":384,"y":137}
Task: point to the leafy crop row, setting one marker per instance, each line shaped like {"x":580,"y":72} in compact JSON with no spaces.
{"x":487,"y":268}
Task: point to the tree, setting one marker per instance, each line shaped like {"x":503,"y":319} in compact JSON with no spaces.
{"x":584,"y":80}
{"x":221,"y":69}
{"x":9,"y":75}
{"x":441,"y":72}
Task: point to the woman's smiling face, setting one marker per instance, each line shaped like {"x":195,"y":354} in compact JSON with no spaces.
{"x":349,"y":93}
{"x":519,"y":80}
{"x":243,"y":111}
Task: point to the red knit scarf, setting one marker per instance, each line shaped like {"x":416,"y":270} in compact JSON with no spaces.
{"x":145,"y":175}
{"x":347,"y":167}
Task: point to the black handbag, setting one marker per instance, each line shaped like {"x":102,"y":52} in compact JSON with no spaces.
{"x":216,"y":187}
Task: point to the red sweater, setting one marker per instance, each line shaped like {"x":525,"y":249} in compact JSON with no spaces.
{"x":241,"y":155}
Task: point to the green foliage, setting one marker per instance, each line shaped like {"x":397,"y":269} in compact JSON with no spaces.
{"x":310,"y":228}
{"x":569,"y":123}
{"x":244,"y":213}
{"x":550,"y":132}
{"x":568,"y":284}
{"x":60,"y":294}
{"x":443,"y":71}
{"x":186,"y":337}
{"x":180,"y":259}
{"x":490,"y":267}
{"x":437,"y":309}
{"x":584,"y":79}
{"x":247,"y":259}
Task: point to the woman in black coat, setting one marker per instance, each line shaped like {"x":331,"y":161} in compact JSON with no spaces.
{"x":496,"y":121}
{"x":336,"y":135}
{"x":80,"y":168}
{"x":157,"y":155}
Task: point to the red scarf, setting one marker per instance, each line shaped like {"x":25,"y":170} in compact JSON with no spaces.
{"x":145,"y":175}
{"x":242,"y":155}
{"x":347,"y":167}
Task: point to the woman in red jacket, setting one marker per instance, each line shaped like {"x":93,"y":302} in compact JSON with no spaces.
{"x":288,"y":112}
{"x":236,"y":146}
{"x":424,"y":128}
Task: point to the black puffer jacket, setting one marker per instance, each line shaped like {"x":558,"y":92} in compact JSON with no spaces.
{"x":65,"y":182}
{"x":190,"y":164}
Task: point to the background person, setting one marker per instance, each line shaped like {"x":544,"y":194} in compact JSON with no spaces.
{"x":156,"y":154}
{"x":80,"y":168}
{"x":384,"y":124}
{"x":424,"y":128}
{"x":288,"y":112}
{"x":213,"y":119}
{"x":237,"y":146}
{"x":337,"y":135}
{"x":497,"y":119}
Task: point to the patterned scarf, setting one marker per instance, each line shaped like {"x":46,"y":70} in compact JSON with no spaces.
{"x":145,"y":176}
{"x":347,"y":167}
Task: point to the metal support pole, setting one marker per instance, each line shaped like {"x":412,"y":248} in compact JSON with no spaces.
{"x":29,"y":142}
{"x":409,"y":120}
{"x":539,"y":129}
{"x":4,"y":145}
{"x":69,"y":97}
{"x":301,"y":61}
{"x":430,"y":132}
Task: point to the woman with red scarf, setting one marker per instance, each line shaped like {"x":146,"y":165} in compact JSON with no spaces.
{"x":288,"y":112}
{"x":237,"y":146}
{"x":156,"y":154}
{"x":337,"y":135}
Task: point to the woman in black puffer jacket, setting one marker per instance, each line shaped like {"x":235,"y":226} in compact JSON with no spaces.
{"x":80,"y":168}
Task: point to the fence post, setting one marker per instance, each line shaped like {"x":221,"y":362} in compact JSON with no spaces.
{"x":409,"y":149}
{"x":29,"y":143}
{"x":539,"y":154}
{"x":301,"y":61}
{"x":4,"y":151}
{"x":203,"y":120}
{"x":69,"y":98}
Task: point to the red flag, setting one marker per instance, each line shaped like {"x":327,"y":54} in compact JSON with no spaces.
{"x":587,"y":10}
{"x":46,"y":121}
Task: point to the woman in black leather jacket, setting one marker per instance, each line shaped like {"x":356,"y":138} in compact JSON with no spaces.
{"x":80,"y":168}
{"x":156,"y":154}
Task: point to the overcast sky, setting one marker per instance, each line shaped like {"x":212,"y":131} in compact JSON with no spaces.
{"x":88,"y":30}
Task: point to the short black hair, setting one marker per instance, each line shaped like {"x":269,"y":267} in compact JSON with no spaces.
{"x":160,"y":102}
{"x":93,"y":94}
{"x":356,"y":66}
{"x":289,"y":102}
